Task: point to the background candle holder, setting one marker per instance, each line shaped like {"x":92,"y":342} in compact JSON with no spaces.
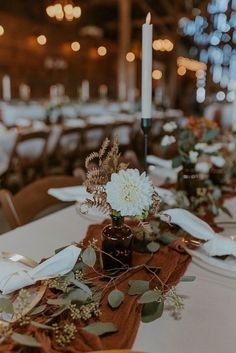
{"x":146,"y":127}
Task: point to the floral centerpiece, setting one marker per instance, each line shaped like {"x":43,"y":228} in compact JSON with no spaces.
{"x":206,"y":160}
{"x":192,"y":140}
{"x":119,"y":192}
{"x":79,"y":305}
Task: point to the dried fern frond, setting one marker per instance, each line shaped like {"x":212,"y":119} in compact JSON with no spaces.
{"x":146,"y":227}
{"x":94,"y":172}
{"x":100,"y":204}
{"x":104,"y":148}
{"x":90,"y":158}
{"x":123,"y":166}
{"x":156,"y":201}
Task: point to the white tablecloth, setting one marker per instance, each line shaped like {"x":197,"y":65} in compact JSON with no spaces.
{"x":209,"y":319}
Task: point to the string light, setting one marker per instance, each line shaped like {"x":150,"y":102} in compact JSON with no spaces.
{"x":162,"y":45}
{"x":1,"y":30}
{"x":102,"y":51}
{"x":63,"y":9}
{"x":156,"y":74}
{"x":42,"y":40}
{"x":191,"y":64}
{"x":220,"y":96}
{"x":130,"y":56}
{"x":181,"y":71}
{"x":75,"y":46}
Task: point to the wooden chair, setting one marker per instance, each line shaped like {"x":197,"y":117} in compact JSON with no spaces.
{"x":93,"y":137}
{"x":33,"y":199}
{"x":28,"y":157}
{"x":125,"y":133}
{"x":68,"y":148}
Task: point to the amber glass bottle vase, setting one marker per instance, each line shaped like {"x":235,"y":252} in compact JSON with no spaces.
{"x":116,"y":245}
{"x":189,"y":180}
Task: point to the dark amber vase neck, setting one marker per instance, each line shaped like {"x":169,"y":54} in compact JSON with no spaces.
{"x":188,"y":165}
{"x":117,"y":221}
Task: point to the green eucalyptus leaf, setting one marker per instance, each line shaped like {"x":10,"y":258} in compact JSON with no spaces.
{"x":152,"y":311}
{"x":138,"y":287}
{"x":25,"y":340}
{"x":78,"y":295}
{"x":38,"y":309}
{"x":115,"y":298}
{"x":82,"y":286}
{"x":89,"y":256}
{"x":101,"y":328}
{"x":97,"y":296}
{"x":60,"y":310}
{"x":210,"y":134}
{"x":69,"y":276}
{"x":167,"y":237}
{"x":6,"y":306}
{"x":176,"y":162}
{"x":79,"y":266}
{"x":226,"y":211}
{"x":153,"y":246}
{"x":59,"y":301}
{"x":188,"y":278}
{"x":150,"y":296}
{"x":42,"y":326}
{"x":217,"y":193}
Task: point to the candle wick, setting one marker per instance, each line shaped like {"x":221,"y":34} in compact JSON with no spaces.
{"x":148,"y":18}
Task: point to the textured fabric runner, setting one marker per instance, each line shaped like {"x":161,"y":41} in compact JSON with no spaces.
{"x":127,"y":317}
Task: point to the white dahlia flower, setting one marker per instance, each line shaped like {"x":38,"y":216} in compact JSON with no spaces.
{"x":129,"y":193}
{"x":168,"y":140}
{"x":218,"y":161}
{"x":201,"y":146}
{"x":193,"y":156}
{"x":170,"y":127}
{"x":202,"y":167}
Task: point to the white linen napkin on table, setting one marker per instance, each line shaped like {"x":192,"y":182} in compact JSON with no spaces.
{"x":165,"y":163}
{"x":215,"y":245}
{"x":15,"y":275}
{"x":69,"y":194}
{"x":166,"y":195}
{"x":162,"y":170}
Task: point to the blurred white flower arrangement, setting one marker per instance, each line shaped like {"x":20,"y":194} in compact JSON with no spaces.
{"x":167,"y":140}
{"x":170,"y":126}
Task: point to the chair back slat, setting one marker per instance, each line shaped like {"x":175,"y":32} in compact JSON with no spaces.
{"x":33,"y":199}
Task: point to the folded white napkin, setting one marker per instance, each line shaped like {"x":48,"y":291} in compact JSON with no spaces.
{"x":15,"y":275}
{"x":160,"y":175}
{"x":159,"y":161}
{"x":215,"y":245}
{"x":70,"y":194}
{"x":166,"y":195}
{"x":213,"y":148}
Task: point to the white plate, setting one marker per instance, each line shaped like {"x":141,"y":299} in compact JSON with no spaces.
{"x":221,"y":267}
{"x":226,"y":268}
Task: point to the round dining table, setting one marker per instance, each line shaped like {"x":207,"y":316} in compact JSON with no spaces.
{"x":208,"y":320}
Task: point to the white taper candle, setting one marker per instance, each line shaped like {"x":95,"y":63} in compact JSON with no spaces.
{"x":147,"y":33}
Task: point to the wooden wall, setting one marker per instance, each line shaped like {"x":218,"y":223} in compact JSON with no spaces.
{"x":23,"y":59}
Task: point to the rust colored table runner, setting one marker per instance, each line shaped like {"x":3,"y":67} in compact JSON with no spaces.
{"x":127,"y":317}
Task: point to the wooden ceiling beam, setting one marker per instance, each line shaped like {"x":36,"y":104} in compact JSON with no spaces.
{"x":168,"y":6}
{"x":156,"y":19}
{"x":160,"y":21}
{"x":92,"y":3}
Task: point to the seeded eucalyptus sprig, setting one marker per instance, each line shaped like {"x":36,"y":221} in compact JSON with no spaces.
{"x":76,"y":301}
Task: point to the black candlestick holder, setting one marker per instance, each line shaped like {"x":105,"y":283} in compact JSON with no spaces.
{"x":146,"y":127}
